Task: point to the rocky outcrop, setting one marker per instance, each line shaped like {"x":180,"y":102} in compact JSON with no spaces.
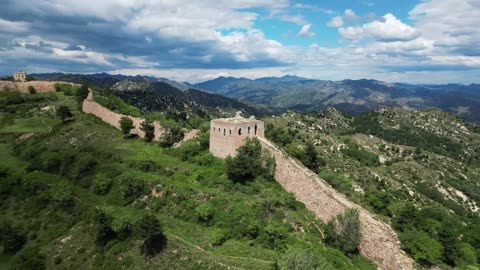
{"x":112,"y":118}
{"x":380,"y":243}
{"x":40,"y":86}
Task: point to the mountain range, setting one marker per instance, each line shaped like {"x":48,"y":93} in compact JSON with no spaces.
{"x":349,"y":96}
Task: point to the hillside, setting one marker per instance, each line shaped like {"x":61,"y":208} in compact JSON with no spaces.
{"x":76,"y":194}
{"x":349,"y":96}
{"x":161,"y":96}
{"x":419,"y":170}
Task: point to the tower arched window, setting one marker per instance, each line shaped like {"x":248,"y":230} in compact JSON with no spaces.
{"x":239,"y":131}
{"x":224,"y":132}
{"x":248,"y":130}
{"x":213,"y":128}
{"x":230,"y":132}
{"x":255,"y":129}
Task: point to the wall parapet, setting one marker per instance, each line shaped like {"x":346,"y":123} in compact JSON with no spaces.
{"x":89,"y":105}
{"x":379,"y":243}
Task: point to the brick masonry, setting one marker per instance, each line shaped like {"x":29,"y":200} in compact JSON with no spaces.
{"x":40,"y":86}
{"x":112,"y":118}
{"x":380,"y":243}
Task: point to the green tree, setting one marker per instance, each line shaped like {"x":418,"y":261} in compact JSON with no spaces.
{"x":247,"y":164}
{"x":171,"y":136}
{"x":82,"y":93}
{"x":32,"y":89}
{"x":63,"y":112}
{"x":147,"y":127}
{"x":11,"y":238}
{"x":422,"y":247}
{"x":344,"y":231}
{"x":311,"y":159}
{"x":126,"y":125}
{"x":151,"y":232}
{"x":29,"y":258}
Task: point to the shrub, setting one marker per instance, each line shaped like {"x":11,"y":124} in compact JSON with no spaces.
{"x":63,"y":112}
{"x":152,"y":234}
{"x":101,"y":184}
{"x":62,"y":195}
{"x":126,"y":125}
{"x":32,"y":89}
{"x":147,"y":127}
{"x":302,"y":259}
{"x":12,"y":239}
{"x":28,"y":258}
{"x":422,"y":247}
{"x":344,"y":233}
{"x":131,"y":188}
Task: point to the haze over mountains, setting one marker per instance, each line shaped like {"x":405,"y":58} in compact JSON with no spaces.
{"x":304,"y":95}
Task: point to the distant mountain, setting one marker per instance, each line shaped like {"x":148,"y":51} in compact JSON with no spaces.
{"x":350,"y":96}
{"x":151,"y":96}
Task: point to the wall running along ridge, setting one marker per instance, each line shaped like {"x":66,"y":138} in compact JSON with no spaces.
{"x":40,"y":86}
{"x":380,"y":243}
{"x":112,"y":118}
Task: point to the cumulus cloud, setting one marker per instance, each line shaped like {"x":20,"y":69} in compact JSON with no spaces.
{"x":392,"y":29}
{"x":336,"y":22}
{"x":305,"y":31}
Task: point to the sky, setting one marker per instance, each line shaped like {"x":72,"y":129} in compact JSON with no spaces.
{"x":412,"y":41}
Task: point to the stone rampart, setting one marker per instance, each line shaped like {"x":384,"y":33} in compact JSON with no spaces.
{"x":40,"y":86}
{"x":112,"y":118}
{"x":380,"y":243}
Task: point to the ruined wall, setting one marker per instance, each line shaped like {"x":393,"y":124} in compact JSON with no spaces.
{"x":112,"y":118}
{"x":40,"y":86}
{"x":380,"y":243}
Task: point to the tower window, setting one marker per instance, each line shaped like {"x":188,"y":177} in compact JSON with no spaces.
{"x":230,"y":132}
{"x":239,"y":131}
{"x":224,"y":131}
{"x":213,"y":128}
{"x":255,"y":129}
{"x":248,"y":130}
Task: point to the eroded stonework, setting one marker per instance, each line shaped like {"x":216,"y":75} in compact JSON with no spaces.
{"x":228,"y":134}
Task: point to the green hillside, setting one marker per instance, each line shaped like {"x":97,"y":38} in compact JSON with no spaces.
{"x":419,"y":170}
{"x":77,"y":195}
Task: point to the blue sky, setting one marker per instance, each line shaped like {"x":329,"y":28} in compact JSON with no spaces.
{"x":427,"y":41}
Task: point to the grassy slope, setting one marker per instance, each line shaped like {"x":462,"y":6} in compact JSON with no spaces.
{"x":185,"y":184}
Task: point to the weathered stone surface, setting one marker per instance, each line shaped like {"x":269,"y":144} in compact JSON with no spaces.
{"x":228,"y":134}
{"x":40,"y":86}
{"x":380,"y":243}
{"x":112,"y":118}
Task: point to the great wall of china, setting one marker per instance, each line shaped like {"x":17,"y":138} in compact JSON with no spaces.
{"x":112,"y":118}
{"x":380,"y":243}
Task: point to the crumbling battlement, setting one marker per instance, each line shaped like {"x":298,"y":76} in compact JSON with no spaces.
{"x":40,"y":86}
{"x":112,"y":118}
{"x":380,"y":243}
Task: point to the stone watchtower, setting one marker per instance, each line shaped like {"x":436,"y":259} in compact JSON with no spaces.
{"x":20,"y":76}
{"x":228,"y":134}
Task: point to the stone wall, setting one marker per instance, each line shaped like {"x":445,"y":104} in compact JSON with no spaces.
{"x":112,"y":118}
{"x":40,"y":86}
{"x":380,"y":243}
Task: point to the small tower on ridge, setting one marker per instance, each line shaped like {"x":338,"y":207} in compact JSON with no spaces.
{"x":228,"y":134}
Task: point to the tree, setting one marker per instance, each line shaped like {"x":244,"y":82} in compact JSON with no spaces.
{"x":82,"y":93}
{"x":29,"y":258}
{"x":10,"y":238}
{"x":343,"y":232}
{"x":311,"y":159}
{"x":147,"y":127}
{"x":172,"y":136}
{"x":126,"y":125}
{"x":32,"y":89}
{"x":63,"y":113}
{"x":247,"y":164}
{"x":151,"y":232}
{"x":422,"y":247}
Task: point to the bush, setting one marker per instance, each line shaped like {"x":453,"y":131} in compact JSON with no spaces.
{"x":62,"y":195}
{"x":302,"y":259}
{"x":422,"y":247}
{"x":151,"y":232}
{"x":249,"y":163}
{"x":131,"y":188}
{"x":147,"y":127}
{"x":32,"y":89}
{"x":29,"y":258}
{"x":126,"y":125}
{"x":101,"y":184}
{"x":344,"y":233}
{"x":12,"y":239}
{"x":63,"y":112}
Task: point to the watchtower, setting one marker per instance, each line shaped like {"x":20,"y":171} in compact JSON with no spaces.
{"x":20,"y":76}
{"x":228,"y":134}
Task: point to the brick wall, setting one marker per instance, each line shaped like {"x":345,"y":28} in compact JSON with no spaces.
{"x":380,"y":243}
{"x":112,"y":118}
{"x":40,"y":86}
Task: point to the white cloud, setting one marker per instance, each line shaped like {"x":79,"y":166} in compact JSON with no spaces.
{"x":392,"y":29}
{"x":305,"y":31}
{"x":336,"y":22}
